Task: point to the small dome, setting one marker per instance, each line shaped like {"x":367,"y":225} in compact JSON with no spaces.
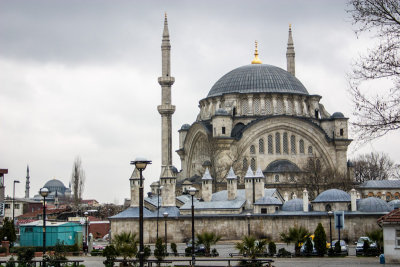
{"x":222,"y":112}
{"x":333,"y":195}
{"x":373,"y":204}
{"x":185,"y":127}
{"x":293,"y":205}
{"x":257,"y":78}
{"x":55,"y":185}
{"x":337,"y":115}
{"x":394,"y":203}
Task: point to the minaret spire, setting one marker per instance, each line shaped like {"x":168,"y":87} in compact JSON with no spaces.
{"x":27,"y":187}
{"x":166,"y":109}
{"x":290,"y":54}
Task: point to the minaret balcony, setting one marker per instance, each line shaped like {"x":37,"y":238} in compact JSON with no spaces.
{"x":166,"y":80}
{"x":166,"y":109}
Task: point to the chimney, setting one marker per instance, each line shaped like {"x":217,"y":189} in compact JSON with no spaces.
{"x":231,"y":180}
{"x":206,"y":186}
{"x":305,"y":200}
{"x":353,"y":195}
{"x":249,"y":188}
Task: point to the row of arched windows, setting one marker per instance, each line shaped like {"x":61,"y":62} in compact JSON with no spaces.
{"x":284,"y":147}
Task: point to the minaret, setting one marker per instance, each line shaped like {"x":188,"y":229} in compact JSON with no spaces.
{"x":134,"y":184}
{"x":27,"y":182}
{"x":166,"y":109}
{"x":290,"y":53}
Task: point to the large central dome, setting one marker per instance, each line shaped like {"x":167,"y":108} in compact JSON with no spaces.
{"x":257,"y":78}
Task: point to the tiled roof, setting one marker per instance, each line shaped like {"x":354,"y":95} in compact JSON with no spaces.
{"x":240,"y":194}
{"x":380,"y":184}
{"x":392,"y":217}
{"x":203,"y":205}
{"x":268,"y":201}
{"x":133,"y":212}
{"x":257,"y":78}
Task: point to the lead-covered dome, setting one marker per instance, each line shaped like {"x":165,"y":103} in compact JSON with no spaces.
{"x":258,"y":78}
{"x":295,"y":204}
{"x":333,"y":195}
{"x":373,"y":204}
{"x":55,"y":185}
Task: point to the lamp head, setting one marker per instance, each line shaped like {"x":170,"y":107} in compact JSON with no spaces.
{"x":330,"y":213}
{"x":248,"y":215}
{"x":165,"y":214}
{"x":16,"y":182}
{"x":86,"y":213}
{"x":44,"y":192}
{"x":192,"y":191}
{"x":140,"y":163}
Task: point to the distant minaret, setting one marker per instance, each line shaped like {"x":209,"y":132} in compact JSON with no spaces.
{"x":166,"y":109}
{"x":290,"y":53}
{"x":27,"y":182}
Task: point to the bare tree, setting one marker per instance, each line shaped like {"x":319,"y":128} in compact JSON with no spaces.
{"x":318,"y":178}
{"x":374,"y":166}
{"x":77,"y":181}
{"x":376,"y":115}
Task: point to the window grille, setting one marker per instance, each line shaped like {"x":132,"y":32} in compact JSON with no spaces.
{"x":293,"y":144}
{"x":270,"y":147}
{"x":256,"y":103}
{"x":285,"y":143}
{"x":253,"y":164}
{"x":301,"y":145}
{"x":292,"y":179}
{"x":252,"y":149}
{"x":245,"y":164}
{"x":278,"y":143}
{"x":397,"y":238}
{"x":290,"y":107}
{"x":245,"y":107}
{"x":276,"y":178}
{"x":279,"y":106}
{"x":268,"y":106}
{"x":261,"y":146}
{"x":310,"y":150}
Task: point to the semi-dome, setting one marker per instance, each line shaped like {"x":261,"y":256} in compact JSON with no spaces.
{"x":373,"y":204}
{"x":333,"y":195}
{"x":258,"y":78}
{"x":295,"y":204}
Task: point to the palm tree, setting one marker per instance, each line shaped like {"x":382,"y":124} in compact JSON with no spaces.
{"x":251,"y":246}
{"x":207,"y":239}
{"x":296,"y":236}
{"x":125,"y":244}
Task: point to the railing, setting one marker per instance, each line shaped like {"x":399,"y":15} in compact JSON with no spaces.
{"x":35,"y":263}
{"x":208,"y":262}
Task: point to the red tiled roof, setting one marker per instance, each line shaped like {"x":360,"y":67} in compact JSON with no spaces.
{"x":35,"y":213}
{"x":391,"y":217}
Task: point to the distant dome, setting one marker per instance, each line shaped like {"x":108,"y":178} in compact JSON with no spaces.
{"x":394,"y":203}
{"x":373,"y":204}
{"x":333,"y":195}
{"x":55,"y":185}
{"x":221,"y":111}
{"x":185,"y":126}
{"x":337,"y":115}
{"x":257,"y":78}
{"x":293,"y":205}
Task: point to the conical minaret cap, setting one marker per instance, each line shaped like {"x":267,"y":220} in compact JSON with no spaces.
{"x":135,"y":174}
{"x":207,"y":175}
{"x":259,"y":173}
{"x":165,"y":31}
{"x":290,"y":38}
{"x":249,"y":173}
{"x":231,"y":174}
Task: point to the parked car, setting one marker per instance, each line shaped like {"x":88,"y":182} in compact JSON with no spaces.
{"x":199,"y":249}
{"x":344,"y":248}
{"x":360,"y":244}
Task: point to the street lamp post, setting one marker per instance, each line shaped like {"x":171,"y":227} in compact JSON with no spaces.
{"x":15,"y":182}
{"x":192,"y":192}
{"x":330,"y":225}
{"x":165,"y":214}
{"x":248,"y":215}
{"x":44,"y":192}
{"x":140,"y":164}
{"x":86,"y":231}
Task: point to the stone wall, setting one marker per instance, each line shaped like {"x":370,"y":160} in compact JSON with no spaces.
{"x":235,"y":227}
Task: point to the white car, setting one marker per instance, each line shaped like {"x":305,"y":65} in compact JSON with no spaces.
{"x":360,"y":244}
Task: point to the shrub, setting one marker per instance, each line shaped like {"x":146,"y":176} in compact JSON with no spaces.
{"x":308,"y":247}
{"x":320,"y":240}
{"x":10,"y":262}
{"x":272,"y":248}
{"x":3,"y":250}
{"x":160,"y":250}
{"x":147,"y":252}
{"x":337,"y":248}
{"x":366,"y":247}
{"x":174,"y":249}
{"x":282,"y":252}
{"x":26,"y":255}
{"x":111,"y":254}
{"x":96,"y":252}
{"x":214,"y":253}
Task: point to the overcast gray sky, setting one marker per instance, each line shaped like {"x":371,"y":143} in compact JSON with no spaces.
{"x":80,"y":77}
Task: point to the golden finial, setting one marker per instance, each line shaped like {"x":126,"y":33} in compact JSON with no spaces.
{"x":256,"y":60}
{"x":290,"y":26}
{"x":165,"y":14}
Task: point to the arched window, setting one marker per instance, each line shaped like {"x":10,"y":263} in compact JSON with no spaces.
{"x":328,"y":207}
{"x":252,"y":149}
{"x":318,"y":165}
{"x":245,"y":107}
{"x":301,"y":146}
{"x":310,"y":150}
{"x":278,"y":143}
{"x":293,"y":144}
{"x":253,"y":164}
{"x":270,"y":147}
{"x":245,"y":164}
{"x":256,"y":103}
{"x":261,"y":146}
{"x":277,"y":178}
{"x":285,"y":143}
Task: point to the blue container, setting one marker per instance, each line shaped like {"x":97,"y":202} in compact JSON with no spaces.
{"x":382,"y":259}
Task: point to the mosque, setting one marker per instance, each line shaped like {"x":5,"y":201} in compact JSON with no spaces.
{"x":257,"y":130}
